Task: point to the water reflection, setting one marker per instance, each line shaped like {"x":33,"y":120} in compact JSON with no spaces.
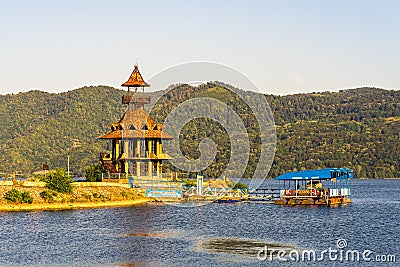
{"x":238,"y":246}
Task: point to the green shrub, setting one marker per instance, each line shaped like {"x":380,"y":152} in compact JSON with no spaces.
{"x":16,"y":196}
{"x":13,"y":195}
{"x":189,"y":183}
{"x":48,"y":195}
{"x":59,"y":182}
{"x":240,"y":185}
{"x":26,"y":197}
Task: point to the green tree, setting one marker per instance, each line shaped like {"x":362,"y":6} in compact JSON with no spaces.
{"x":93,"y":173}
{"x":58,"y":181}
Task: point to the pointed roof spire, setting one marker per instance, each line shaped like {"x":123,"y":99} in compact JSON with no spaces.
{"x":135,"y":80}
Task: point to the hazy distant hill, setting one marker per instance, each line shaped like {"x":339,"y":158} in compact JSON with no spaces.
{"x":356,"y":128}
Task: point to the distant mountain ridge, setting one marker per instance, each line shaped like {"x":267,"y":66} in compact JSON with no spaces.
{"x":355,"y":128}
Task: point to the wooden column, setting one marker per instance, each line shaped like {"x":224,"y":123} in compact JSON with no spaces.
{"x":116,"y":149}
{"x":159,"y":148}
{"x":138,"y":147}
{"x":149,"y":146}
{"x":157,"y":152}
{"x":150,"y":168}
{"x":126,"y":148}
{"x":126,"y":166}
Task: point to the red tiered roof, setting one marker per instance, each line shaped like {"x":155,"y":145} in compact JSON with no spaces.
{"x":135,"y":80}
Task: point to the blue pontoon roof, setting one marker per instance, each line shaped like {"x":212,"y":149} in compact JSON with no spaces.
{"x":322,"y":174}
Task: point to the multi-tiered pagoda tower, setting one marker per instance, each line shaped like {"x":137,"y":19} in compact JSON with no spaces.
{"x":136,"y":138}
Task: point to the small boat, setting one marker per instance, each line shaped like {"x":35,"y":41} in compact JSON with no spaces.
{"x":329,"y":187}
{"x":230,"y":199}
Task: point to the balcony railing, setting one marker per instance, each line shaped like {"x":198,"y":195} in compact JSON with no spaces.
{"x":135,"y":98}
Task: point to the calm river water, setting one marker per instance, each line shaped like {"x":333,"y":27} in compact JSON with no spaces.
{"x":210,"y":235}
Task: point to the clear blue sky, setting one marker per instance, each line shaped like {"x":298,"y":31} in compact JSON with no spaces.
{"x":282,"y":46}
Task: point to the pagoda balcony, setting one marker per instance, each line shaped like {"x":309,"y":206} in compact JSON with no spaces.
{"x":135,"y":98}
{"x":137,"y":156}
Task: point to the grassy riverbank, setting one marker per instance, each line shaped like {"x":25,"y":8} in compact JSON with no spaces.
{"x":83,"y":196}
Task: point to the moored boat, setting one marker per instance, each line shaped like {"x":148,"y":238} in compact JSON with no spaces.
{"x":327,"y":187}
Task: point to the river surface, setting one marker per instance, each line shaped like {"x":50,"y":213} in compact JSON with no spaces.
{"x":157,"y":234}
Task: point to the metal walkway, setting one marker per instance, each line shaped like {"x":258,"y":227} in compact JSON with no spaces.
{"x":265,"y":193}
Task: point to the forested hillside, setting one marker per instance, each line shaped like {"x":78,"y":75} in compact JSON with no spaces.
{"x":357,"y":128}
{"x":43,"y":128}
